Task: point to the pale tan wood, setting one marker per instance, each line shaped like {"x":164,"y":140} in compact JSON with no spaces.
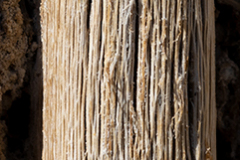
{"x":127,"y":79}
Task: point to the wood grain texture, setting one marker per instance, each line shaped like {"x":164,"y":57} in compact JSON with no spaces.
{"x":127,"y":79}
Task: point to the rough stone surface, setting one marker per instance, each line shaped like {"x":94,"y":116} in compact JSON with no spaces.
{"x":16,"y":52}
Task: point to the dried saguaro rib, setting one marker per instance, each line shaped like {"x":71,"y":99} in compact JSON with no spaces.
{"x":127,"y":79}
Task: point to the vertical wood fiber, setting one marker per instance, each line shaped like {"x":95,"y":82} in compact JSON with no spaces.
{"x":128,"y":79}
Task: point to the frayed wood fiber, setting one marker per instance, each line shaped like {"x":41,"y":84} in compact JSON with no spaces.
{"x":127,"y":79}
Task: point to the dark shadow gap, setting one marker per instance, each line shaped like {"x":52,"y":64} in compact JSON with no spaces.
{"x":17,"y":121}
{"x":227,"y":80}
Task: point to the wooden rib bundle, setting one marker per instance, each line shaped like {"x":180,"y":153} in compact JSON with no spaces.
{"x":127,"y":79}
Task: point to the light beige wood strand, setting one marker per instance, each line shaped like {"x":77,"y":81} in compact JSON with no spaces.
{"x":128,"y":79}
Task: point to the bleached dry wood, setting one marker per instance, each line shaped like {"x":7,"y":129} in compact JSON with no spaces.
{"x":126,"y":79}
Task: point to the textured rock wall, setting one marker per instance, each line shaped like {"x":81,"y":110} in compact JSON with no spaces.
{"x":16,"y":51}
{"x":13,"y":48}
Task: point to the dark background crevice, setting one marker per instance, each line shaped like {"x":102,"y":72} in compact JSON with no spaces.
{"x":228,"y":79}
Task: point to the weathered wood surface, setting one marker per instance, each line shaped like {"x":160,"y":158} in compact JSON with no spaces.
{"x":126,"y":79}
